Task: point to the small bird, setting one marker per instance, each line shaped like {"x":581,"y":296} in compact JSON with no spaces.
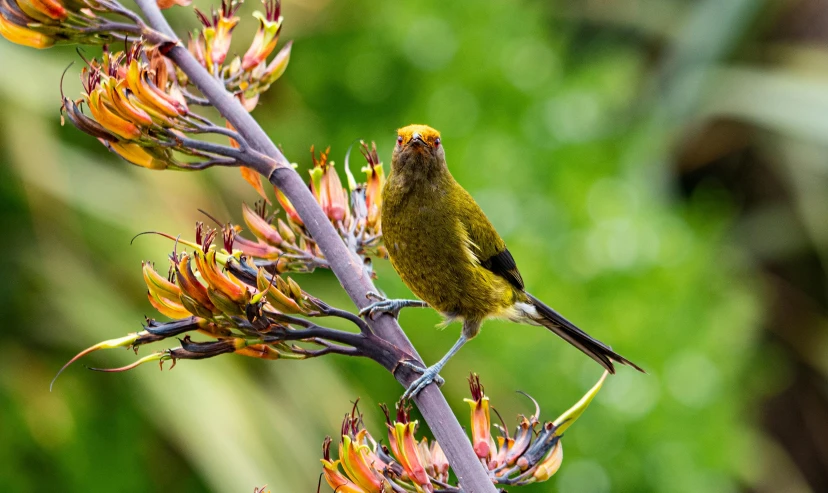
{"x":447,"y":252}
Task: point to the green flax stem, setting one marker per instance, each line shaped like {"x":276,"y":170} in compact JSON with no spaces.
{"x":347,"y":268}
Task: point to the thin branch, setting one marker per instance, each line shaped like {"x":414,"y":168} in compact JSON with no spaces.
{"x":328,"y":310}
{"x":327,"y":348}
{"x":209,"y":163}
{"x":196,"y":100}
{"x":115,"y":7}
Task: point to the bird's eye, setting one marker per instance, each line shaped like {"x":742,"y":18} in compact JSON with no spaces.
{"x":399,"y":140}
{"x":437,"y":142}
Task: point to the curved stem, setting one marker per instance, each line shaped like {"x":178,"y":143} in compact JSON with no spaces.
{"x":346,"y":266}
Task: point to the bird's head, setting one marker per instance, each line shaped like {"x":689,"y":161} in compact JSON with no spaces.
{"x":418,"y":151}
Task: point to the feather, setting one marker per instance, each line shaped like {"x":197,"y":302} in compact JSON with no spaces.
{"x":567,"y":331}
{"x":503,"y":264}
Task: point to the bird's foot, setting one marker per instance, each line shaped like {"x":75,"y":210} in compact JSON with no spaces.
{"x":429,"y":375}
{"x":383,"y":305}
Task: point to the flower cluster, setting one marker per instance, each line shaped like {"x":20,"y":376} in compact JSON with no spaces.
{"x":533,"y":454}
{"x":355,"y":213}
{"x":283,"y":243}
{"x":140,"y":112}
{"x":231,"y":288}
{"x":45,"y":23}
{"x":220,"y":293}
{"x":250,"y":75}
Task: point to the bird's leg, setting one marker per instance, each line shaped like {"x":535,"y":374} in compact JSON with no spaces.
{"x":384,"y":305}
{"x":432,"y":373}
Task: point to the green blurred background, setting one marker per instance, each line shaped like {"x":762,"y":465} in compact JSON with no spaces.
{"x":657,"y":167}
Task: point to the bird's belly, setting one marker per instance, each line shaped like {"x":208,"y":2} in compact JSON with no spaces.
{"x":437,"y":266}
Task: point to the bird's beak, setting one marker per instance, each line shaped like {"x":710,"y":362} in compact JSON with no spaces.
{"x":418,"y":139}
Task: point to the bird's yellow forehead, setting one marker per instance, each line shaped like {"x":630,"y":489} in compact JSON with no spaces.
{"x":426,"y":133}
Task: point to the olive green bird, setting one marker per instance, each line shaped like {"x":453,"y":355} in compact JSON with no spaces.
{"x":448,"y":253}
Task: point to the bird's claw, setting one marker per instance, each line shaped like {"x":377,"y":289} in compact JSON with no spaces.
{"x":429,"y":375}
{"x":381,"y":304}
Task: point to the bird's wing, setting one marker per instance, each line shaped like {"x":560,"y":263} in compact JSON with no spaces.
{"x":488,"y":246}
{"x":504,"y":265}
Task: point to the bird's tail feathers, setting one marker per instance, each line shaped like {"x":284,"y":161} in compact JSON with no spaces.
{"x":566,"y":330}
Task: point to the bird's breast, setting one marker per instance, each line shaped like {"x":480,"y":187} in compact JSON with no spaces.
{"x":431,"y":251}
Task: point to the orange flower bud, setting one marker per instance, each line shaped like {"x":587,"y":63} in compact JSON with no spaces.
{"x":109,"y":120}
{"x":289,"y":210}
{"x":45,"y":11}
{"x":286,"y":231}
{"x":167,"y":307}
{"x":260,"y":226}
{"x":146,"y":92}
{"x":163,"y":294}
{"x":355,"y":461}
{"x":193,"y":293}
{"x":333,"y":477}
{"x":375,"y":176}
{"x":125,"y":109}
{"x":211,"y":273}
{"x":278,"y":65}
{"x":327,"y":187}
{"x":135,"y":154}
{"x":196,"y":47}
{"x":404,"y":445}
{"x":158,"y":284}
{"x":275,"y":296}
{"x":439,"y":461}
{"x":257,"y":249}
{"x":53,"y":9}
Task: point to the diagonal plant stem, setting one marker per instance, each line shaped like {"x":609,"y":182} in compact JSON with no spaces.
{"x":348,"y":269}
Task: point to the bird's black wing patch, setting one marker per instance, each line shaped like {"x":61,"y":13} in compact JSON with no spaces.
{"x":503,"y":264}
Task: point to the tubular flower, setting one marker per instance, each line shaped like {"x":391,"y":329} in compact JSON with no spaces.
{"x":405,"y":447}
{"x":327,"y":188}
{"x":260,"y":226}
{"x":481,"y":421}
{"x":288,"y":207}
{"x":534,"y":455}
{"x":277,"y":66}
{"x":375,"y":177}
{"x":334,"y":478}
{"x":45,"y":23}
{"x":218,"y":32}
{"x":23,"y":35}
{"x":270,"y":24}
